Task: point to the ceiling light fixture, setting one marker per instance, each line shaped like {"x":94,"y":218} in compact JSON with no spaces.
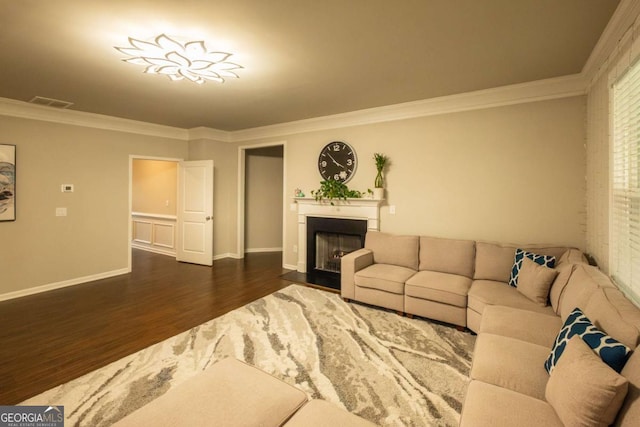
{"x":179,"y":61}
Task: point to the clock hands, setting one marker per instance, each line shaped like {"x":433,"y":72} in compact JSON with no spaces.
{"x":334,"y":160}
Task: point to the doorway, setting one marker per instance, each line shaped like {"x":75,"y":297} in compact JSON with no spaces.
{"x":261,"y":198}
{"x":153,"y":190}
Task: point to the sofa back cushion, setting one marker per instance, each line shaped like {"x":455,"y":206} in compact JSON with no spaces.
{"x":611,"y":312}
{"x":447,"y":255}
{"x":584,"y":281}
{"x":564,"y":273}
{"x":393,"y":249}
{"x":494,"y":261}
{"x":572,"y":256}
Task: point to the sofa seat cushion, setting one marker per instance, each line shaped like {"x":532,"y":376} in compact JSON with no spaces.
{"x":441,"y":287}
{"x":630,"y":412}
{"x":487,"y":405}
{"x":384,"y":277}
{"x":518,"y":323}
{"x":229,"y":393}
{"x":322,"y":413}
{"x":510,"y":363}
{"x":489,"y":292}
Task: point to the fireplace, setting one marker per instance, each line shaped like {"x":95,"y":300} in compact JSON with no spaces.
{"x":328,"y":240}
{"x":365,"y":213}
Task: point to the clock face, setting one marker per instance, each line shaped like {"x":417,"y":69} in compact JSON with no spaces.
{"x":337,"y":161}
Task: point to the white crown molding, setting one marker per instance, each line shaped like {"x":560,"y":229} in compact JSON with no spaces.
{"x":25,"y":110}
{"x":623,"y":18}
{"x":210,"y":133}
{"x":559,"y":87}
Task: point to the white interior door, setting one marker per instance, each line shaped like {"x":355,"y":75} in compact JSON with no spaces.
{"x":195,"y":212}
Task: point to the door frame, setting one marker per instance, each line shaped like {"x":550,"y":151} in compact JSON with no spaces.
{"x":133,"y":157}
{"x":242,"y":155}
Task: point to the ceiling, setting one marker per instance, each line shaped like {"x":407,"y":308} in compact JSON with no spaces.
{"x":301,"y":58}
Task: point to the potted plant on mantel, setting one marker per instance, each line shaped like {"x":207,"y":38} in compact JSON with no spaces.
{"x":381,"y":162}
{"x":331,"y":190}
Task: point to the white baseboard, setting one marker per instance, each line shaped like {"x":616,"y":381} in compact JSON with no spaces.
{"x":290,"y":266}
{"x":227,"y":255}
{"x":63,"y":284}
{"x":253,"y":250}
{"x":155,"y":250}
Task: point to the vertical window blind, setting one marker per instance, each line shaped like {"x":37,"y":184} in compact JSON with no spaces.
{"x":625,"y":182}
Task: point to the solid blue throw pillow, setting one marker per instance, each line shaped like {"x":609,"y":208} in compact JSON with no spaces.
{"x":546,"y":260}
{"x":612,"y":352}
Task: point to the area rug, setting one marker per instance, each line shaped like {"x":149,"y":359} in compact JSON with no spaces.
{"x":389,"y":369}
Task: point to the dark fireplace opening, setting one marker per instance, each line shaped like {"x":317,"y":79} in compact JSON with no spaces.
{"x":328,"y":240}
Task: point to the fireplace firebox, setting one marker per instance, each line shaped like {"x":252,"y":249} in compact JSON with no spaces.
{"x":328,"y":240}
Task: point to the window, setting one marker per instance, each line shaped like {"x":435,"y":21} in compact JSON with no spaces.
{"x":625,"y":183}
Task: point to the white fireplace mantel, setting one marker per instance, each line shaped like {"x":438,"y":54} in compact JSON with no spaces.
{"x":365,"y":209}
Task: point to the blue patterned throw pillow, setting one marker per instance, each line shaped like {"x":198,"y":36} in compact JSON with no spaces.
{"x":612,"y":352}
{"x":546,"y":260}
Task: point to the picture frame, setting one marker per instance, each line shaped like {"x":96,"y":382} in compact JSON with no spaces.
{"x":7,"y":182}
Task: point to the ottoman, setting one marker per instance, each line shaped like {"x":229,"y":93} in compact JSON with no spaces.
{"x":229,"y":393}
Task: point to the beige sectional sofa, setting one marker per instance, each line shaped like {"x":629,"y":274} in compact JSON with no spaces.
{"x":465,"y":283}
{"x":443,"y":279}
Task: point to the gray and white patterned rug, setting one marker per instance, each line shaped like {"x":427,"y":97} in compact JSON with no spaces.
{"x":388,"y":369}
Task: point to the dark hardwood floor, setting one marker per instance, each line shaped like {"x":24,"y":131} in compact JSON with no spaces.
{"x":50,"y":338}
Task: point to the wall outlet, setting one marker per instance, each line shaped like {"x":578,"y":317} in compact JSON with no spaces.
{"x":392,"y":209}
{"x":293,"y":207}
{"x":295,"y":249}
{"x":61,"y":211}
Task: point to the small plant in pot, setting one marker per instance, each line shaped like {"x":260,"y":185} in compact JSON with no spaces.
{"x":381,"y":162}
{"x":331,"y":190}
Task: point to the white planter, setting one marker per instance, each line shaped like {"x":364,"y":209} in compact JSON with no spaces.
{"x":378,"y":193}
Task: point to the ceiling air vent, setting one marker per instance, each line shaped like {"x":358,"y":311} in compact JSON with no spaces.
{"x":50,"y":102}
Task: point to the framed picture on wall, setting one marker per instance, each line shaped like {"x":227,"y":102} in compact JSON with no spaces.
{"x":7,"y":182}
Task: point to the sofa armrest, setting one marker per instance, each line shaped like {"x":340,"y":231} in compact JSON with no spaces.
{"x":349,"y":265}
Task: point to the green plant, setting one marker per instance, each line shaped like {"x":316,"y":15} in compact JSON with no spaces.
{"x":381,"y":161}
{"x":334,"y":190}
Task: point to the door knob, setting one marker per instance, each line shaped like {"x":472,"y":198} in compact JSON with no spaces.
{"x":209,"y":218}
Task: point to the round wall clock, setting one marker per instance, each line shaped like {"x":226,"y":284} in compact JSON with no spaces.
{"x":337,"y":161}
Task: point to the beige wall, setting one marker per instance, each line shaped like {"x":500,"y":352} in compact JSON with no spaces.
{"x":40,"y":248}
{"x":154,"y":186}
{"x":263,"y":198}
{"x":511,"y":174}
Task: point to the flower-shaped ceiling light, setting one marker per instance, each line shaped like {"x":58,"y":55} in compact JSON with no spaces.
{"x":180,"y":61}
